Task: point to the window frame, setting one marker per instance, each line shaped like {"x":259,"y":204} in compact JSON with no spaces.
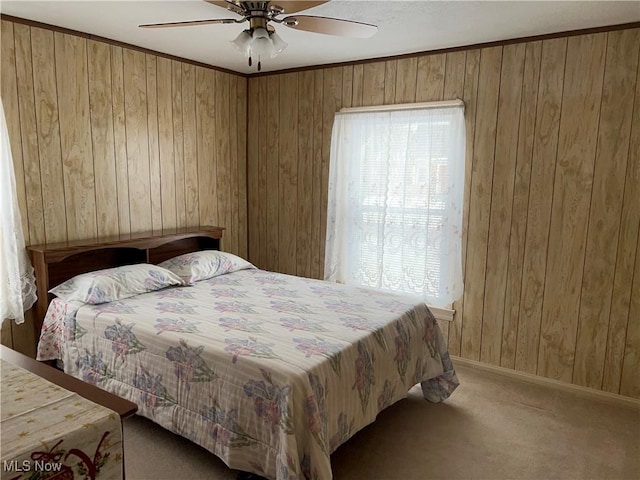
{"x":443,"y":313}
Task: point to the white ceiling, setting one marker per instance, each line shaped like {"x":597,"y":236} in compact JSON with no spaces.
{"x":404,"y":26}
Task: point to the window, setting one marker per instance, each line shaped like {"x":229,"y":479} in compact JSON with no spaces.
{"x":17,"y":283}
{"x":394,"y":217}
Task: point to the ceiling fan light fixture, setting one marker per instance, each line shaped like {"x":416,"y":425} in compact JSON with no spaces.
{"x":277,"y":45}
{"x":260,"y":33}
{"x":243,"y":42}
{"x":261,"y":47}
{"x":259,"y":43}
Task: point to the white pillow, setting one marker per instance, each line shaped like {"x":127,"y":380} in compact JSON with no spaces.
{"x":192,"y":267}
{"x":112,"y":284}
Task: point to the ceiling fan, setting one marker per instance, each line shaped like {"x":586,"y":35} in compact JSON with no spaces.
{"x":260,"y":39}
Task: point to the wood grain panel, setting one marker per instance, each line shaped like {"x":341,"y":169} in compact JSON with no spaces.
{"x":104,"y":161}
{"x":612,"y":151}
{"x":262,"y":169}
{"x":506,"y":148}
{"x":570,"y":209}
{"x":430,"y":77}
{"x":373,"y":81}
{"x":165,"y":136}
{"x":272,"y":259}
{"x":390,"y":74}
{"x":358,"y":85}
{"x":75,"y":136}
{"x":233,"y":168}
{"x":288,"y":173}
{"x":29,"y":133}
{"x":454,"y":76}
{"x":243,"y":224}
{"x":190,"y":136}
{"x":222,"y":156}
{"x":120,"y":140}
{"x":406,"y":80}
{"x":154,"y":147}
{"x":630,"y":381}
{"x":178,"y":142}
{"x":520,"y":204}
{"x":317,"y":263}
{"x":480,"y":199}
{"x":347,"y":86}
{"x":9,"y":92}
{"x":619,"y":316}
{"x":472,"y":70}
{"x":306,"y":101}
{"x":205,"y":118}
{"x":135,"y":103}
{"x":253,"y":178}
{"x":545,"y":144}
{"x":46,"y":103}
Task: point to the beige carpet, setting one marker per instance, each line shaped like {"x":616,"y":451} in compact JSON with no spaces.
{"x":492,"y":427}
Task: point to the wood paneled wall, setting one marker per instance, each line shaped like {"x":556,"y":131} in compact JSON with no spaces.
{"x":552,"y":193}
{"x":108,"y":140}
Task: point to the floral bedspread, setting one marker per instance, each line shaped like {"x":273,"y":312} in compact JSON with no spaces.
{"x":268,"y":371}
{"x":51,"y":433}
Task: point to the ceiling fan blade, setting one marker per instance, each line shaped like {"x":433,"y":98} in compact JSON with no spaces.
{"x":293,"y":6}
{"x":189,"y":23}
{"x":331,"y":26}
{"x":288,"y":6}
{"x":227,"y":5}
{"x":221,"y":3}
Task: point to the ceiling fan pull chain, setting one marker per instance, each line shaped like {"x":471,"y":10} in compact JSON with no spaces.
{"x":250,"y":62}
{"x":259,"y":65}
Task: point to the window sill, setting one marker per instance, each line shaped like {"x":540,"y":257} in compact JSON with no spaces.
{"x":442,"y":314}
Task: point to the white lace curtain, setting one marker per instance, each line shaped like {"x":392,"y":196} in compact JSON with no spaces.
{"x":394,"y":218}
{"x":17,"y":282}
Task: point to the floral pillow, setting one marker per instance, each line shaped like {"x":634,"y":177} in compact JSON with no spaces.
{"x":114,"y":284}
{"x":192,"y":267}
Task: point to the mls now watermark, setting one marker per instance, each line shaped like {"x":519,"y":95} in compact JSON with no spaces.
{"x":30,"y":466}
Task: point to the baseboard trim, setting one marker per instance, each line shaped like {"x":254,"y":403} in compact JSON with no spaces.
{"x":549,"y":382}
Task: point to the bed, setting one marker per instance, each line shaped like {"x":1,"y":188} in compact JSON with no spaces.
{"x":270,"y":372}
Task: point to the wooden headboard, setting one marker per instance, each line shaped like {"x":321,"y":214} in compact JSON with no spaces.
{"x":56,"y":263}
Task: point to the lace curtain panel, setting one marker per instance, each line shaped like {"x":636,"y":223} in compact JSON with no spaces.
{"x":17,"y":281}
{"x":394,"y":217}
